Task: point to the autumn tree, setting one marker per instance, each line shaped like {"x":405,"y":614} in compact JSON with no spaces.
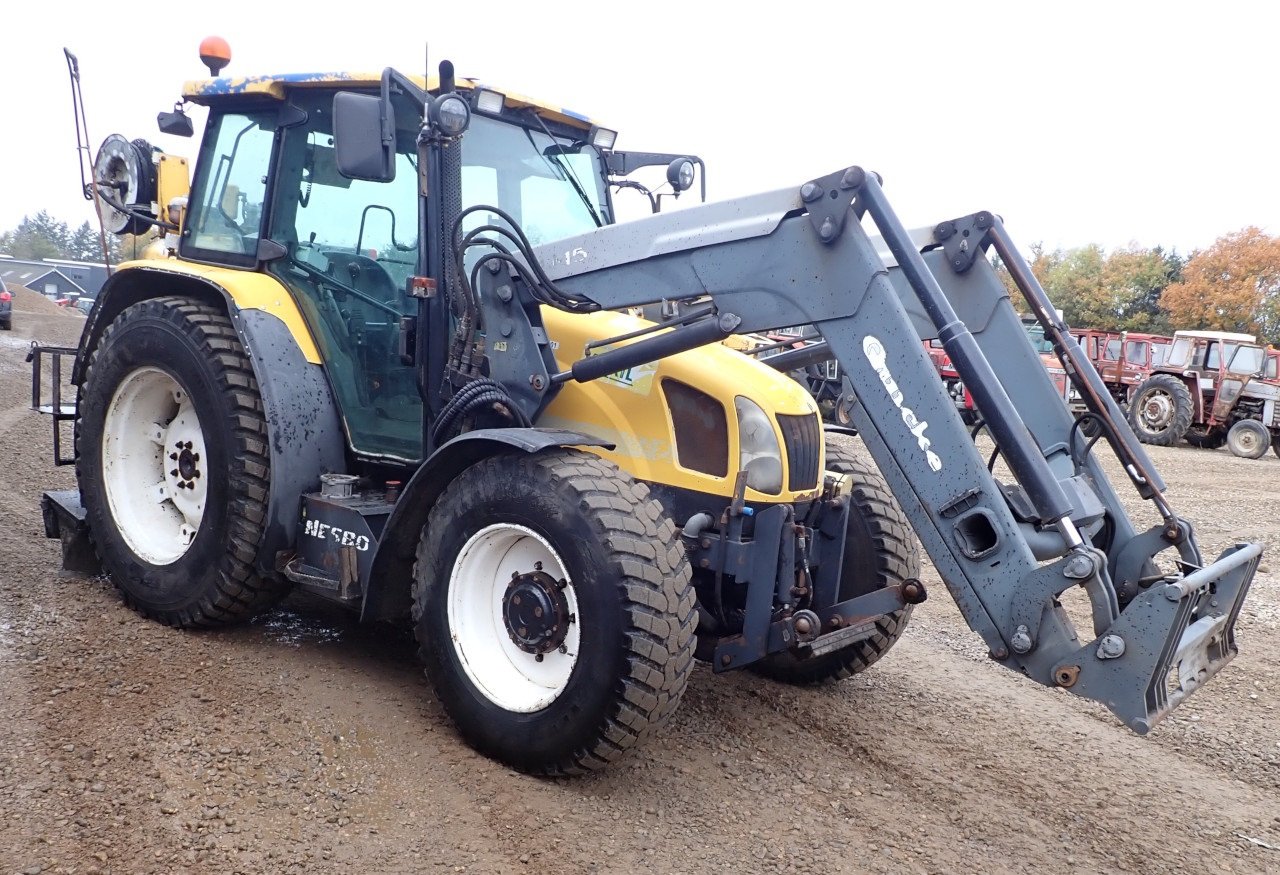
{"x":1233,"y":285}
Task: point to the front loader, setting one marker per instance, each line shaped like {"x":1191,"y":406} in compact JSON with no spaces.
{"x":383,"y":354}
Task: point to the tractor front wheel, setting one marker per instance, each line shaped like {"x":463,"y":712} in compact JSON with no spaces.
{"x":1248,"y":439}
{"x":171,"y":456}
{"x":553,"y":609}
{"x":879,"y":551}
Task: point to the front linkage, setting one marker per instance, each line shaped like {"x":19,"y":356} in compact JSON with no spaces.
{"x":1005,"y":551}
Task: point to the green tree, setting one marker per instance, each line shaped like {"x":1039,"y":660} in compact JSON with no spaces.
{"x":38,"y":236}
{"x":85,"y":244}
{"x":1134,"y":279}
{"x":1074,"y":282}
{"x":1120,"y":290}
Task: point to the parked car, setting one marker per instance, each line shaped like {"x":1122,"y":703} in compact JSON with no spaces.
{"x":84,"y":305}
{"x":6,"y":307}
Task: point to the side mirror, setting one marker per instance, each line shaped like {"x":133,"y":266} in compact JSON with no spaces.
{"x":680,"y":174}
{"x":177,"y":123}
{"x":364,"y":136}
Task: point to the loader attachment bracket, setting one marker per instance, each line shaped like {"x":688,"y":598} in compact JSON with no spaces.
{"x":1168,"y":642}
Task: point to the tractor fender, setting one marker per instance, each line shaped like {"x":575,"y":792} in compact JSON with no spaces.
{"x":388,"y":591}
{"x":304,"y":431}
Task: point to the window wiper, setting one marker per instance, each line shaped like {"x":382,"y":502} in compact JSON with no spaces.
{"x":564,"y":167}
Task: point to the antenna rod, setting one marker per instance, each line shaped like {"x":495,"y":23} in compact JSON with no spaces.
{"x":87,"y":188}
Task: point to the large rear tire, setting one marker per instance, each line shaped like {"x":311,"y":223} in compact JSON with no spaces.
{"x":553,"y":609}
{"x":1248,"y":439}
{"x":172,"y":463}
{"x":879,"y":551}
{"x":1161,"y":410}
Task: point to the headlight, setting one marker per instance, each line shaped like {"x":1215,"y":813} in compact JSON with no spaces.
{"x":450,"y":114}
{"x":680,"y":174}
{"x":758,"y":451}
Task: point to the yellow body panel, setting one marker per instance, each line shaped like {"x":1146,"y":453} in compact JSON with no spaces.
{"x":173,"y":180}
{"x":631,"y":411}
{"x":250,"y":291}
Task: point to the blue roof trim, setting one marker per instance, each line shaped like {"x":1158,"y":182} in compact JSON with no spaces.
{"x":242,"y":84}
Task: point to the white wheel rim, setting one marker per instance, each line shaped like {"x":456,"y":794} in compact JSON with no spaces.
{"x":154,"y":465}
{"x":508,"y":676}
{"x":1247,"y":441}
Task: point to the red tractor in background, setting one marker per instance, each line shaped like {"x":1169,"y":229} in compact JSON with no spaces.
{"x":1214,"y":388}
{"x":1124,"y":359}
{"x":961,"y":396}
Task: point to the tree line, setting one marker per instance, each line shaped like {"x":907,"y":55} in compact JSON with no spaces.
{"x":42,"y":236}
{"x":1231,"y":285}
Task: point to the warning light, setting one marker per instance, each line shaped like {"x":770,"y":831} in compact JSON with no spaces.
{"x":215,"y":53}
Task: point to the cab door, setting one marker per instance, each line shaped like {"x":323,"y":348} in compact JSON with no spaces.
{"x":351,"y":246}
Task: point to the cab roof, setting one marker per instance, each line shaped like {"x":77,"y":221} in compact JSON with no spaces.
{"x":211,"y":91}
{"x":1231,"y":336}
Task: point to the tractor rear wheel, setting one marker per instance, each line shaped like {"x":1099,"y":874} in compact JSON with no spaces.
{"x":1161,"y":410}
{"x":553,"y":609}
{"x":171,"y":458}
{"x":1248,"y":439}
{"x":1206,"y":439}
{"x":879,"y":551}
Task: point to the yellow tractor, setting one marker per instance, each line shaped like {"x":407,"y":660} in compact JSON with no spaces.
{"x":381,"y":351}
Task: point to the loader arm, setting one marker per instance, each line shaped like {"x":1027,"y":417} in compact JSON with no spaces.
{"x":1004,"y":551}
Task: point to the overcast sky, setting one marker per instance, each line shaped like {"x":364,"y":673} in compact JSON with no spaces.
{"x":1077,"y":122}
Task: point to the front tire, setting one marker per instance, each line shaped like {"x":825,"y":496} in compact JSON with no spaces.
{"x":553,"y":609}
{"x":172,"y":463}
{"x":1248,"y":439}
{"x":1161,"y":410}
{"x":879,"y":552}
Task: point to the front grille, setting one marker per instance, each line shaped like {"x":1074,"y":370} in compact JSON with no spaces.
{"x":803,"y":438}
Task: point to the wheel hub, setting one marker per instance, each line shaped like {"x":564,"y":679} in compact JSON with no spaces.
{"x":535,"y":612}
{"x":188,"y":462}
{"x":1157,"y":410}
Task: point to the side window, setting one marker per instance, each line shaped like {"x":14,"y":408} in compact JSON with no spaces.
{"x":225,"y":212}
{"x":1273,"y":368}
{"x":1217,"y":352}
{"x":1113,"y":350}
{"x":1135,"y":352}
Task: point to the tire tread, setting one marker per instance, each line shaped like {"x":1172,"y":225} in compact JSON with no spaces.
{"x":238,"y":591}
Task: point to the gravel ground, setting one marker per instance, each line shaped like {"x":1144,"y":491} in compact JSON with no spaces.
{"x":305,"y":743}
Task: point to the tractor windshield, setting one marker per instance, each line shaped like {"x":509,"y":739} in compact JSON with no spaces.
{"x":552,"y":186}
